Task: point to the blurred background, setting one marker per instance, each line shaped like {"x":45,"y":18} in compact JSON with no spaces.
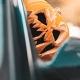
{"x":70,"y":10}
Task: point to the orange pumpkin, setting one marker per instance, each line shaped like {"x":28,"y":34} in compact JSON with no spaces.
{"x":48,"y":28}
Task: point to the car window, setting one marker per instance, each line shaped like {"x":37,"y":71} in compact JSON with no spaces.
{"x":1,"y":34}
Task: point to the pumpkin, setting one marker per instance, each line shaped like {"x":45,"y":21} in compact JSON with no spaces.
{"x":48,"y":28}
